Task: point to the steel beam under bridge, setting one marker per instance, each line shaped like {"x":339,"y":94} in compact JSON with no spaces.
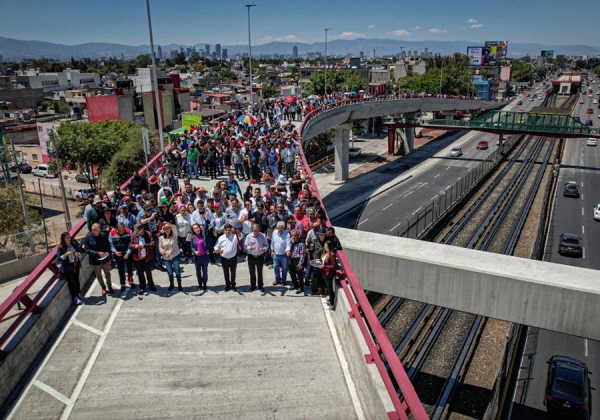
{"x":551,"y":296}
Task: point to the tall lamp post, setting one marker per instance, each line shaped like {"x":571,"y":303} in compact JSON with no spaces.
{"x":326,"y":61}
{"x":248,"y":6}
{"x":50,"y":147}
{"x":155,"y":82}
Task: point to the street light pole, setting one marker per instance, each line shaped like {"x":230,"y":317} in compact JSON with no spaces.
{"x":248,"y":6}
{"x":326,"y":61}
{"x":155,"y":82}
{"x":52,"y":153}
{"x":441,"y":75}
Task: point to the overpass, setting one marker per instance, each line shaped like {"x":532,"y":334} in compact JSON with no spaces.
{"x":339,"y":117}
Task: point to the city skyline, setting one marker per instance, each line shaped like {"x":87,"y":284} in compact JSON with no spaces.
{"x":544,"y":22}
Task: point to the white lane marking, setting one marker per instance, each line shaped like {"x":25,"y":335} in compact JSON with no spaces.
{"x":49,"y":390}
{"x":91,"y":361}
{"x":585,"y":347}
{"x":422,"y":185}
{"x":582,"y":212}
{"x":407,"y":194}
{"x":87,"y":327}
{"x":583,"y":252}
{"x":583,"y":230}
{"x":582,"y":183}
{"x":458,"y":179}
{"x":417,"y":210}
{"x":433,"y":198}
{"x":343,"y":363}
{"x":448,"y":187}
{"x":387,"y":207}
{"x":436,"y":176}
{"x":362,"y":222}
{"x":582,"y":196}
{"x":447,"y":167}
{"x":394,"y":228}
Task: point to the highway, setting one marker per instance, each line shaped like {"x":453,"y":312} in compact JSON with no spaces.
{"x":580,"y":163}
{"x":432,"y":178}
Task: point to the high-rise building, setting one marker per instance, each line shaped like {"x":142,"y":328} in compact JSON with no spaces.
{"x":218,"y":50}
{"x":224,"y":53}
{"x":159,"y":53}
{"x":361,"y":55}
{"x":373,"y":53}
{"x":207,"y":50}
{"x":295,"y":51}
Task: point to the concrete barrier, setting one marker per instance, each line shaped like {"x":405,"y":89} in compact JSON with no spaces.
{"x":34,"y":334}
{"x":370,"y":388}
{"x":17,"y":268}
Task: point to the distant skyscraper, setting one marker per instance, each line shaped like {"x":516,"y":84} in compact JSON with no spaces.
{"x":415,"y":54}
{"x":294,"y":51}
{"x":426,"y":51}
{"x":224,"y":53}
{"x":361,"y":55}
{"x":218,"y":50}
{"x":403,"y":55}
{"x":207,"y":50}
{"x":160,"y":53}
{"x":373,"y":53}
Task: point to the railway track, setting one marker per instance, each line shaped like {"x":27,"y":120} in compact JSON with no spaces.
{"x":434,"y":344}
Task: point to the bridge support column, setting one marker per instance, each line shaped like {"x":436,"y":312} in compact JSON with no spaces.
{"x":342,"y":152}
{"x":409,"y":133}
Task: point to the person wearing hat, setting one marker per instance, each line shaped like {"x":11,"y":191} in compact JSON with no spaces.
{"x":142,"y":247}
{"x":126,"y":217}
{"x":335,"y":241}
{"x":317,"y":280}
{"x":93,"y":212}
{"x":138,"y":183}
{"x":107,"y":219}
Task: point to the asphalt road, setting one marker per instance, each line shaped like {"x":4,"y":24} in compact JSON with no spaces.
{"x":580,"y":163}
{"x":433,"y":178}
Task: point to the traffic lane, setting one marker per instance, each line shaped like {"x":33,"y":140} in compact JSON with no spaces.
{"x":551,"y":343}
{"x":385,"y":213}
{"x":69,"y":183}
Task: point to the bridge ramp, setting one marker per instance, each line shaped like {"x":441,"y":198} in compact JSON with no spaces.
{"x":213,"y":355}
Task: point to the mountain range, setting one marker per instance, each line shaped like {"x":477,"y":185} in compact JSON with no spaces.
{"x":14,"y":49}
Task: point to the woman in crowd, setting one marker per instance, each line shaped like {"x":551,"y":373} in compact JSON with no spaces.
{"x":200,"y":256}
{"x":107,"y":220}
{"x":69,"y":265}
{"x":248,"y":194}
{"x":268,"y":179}
{"x":168,"y":247}
{"x":183,"y":221}
{"x":328,"y":257}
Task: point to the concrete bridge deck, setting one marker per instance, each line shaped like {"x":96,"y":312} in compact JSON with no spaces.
{"x":212,"y":355}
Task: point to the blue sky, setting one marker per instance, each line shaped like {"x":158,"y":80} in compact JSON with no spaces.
{"x":225,"y":21}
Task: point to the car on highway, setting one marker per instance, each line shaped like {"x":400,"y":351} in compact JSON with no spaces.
{"x":591,"y":142}
{"x":571,"y":189}
{"x":482,"y":145}
{"x":456,"y":152}
{"x":581,"y":101}
{"x":83,"y":178}
{"x":596,"y":212}
{"x":588,"y":122}
{"x":595,"y":101}
{"x":568,"y":389}
{"x":42,"y":170}
{"x":531,"y":99}
{"x":570,"y":244}
{"x":24,"y":167}
{"x":82,"y":193}
{"x":589,"y":111}
{"x":519,"y":102}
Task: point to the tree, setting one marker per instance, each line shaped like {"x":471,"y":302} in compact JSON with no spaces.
{"x":180,"y":58}
{"x":93,"y":145}
{"x":315,"y":148}
{"x":522,"y":72}
{"x":13,"y":220}
{"x":269,"y":92}
{"x":337,"y":81}
{"x":143,"y":61}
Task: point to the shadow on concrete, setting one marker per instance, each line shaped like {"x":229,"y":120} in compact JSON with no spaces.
{"x":370,"y":181}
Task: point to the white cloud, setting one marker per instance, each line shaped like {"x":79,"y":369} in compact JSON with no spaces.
{"x":477,"y":25}
{"x":416,"y":28}
{"x":349,"y":35}
{"x":266,"y":39}
{"x":371,"y":26}
{"x":437,"y":31}
{"x":473,"y":20}
{"x":287,"y":38}
{"x":400,"y":32}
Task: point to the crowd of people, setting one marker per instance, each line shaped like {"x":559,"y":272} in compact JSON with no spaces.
{"x":167,"y":221}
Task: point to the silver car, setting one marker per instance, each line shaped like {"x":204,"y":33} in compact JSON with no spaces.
{"x":456,"y":152}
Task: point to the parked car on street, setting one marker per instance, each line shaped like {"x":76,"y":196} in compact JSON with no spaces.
{"x":83,"y":193}
{"x":83,"y":178}
{"x":23,"y":167}
{"x":568,"y":390}
{"x":42,"y":170}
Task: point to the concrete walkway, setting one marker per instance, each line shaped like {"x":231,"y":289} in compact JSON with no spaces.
{"x":191,"y":354}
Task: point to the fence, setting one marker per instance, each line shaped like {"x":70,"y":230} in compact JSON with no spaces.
{"x":425,"y":217}
{"x":44,"y":239}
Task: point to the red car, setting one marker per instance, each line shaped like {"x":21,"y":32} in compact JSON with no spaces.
{"x":589,"y":111}
{"x":482,"y":145}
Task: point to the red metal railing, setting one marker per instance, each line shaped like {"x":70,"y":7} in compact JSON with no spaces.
{"x":19,"y":295}
{"x":377,"y":341}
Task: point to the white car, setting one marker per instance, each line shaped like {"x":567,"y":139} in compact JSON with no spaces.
{"x":42,"y":170}
{"x":595,"y":101}
{"x":456,"y":152}
{"x":597,"y":212}
{"x":591,"y":142}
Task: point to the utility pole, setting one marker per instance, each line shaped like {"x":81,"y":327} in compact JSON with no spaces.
{"x":248,"y":6}
{"x":155,"y":81}
{"x":23,"y":202}
{"x":50,"y":147}
{"x":326,"y":61}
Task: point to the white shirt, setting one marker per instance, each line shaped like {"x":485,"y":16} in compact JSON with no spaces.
{"x":246,"y":224}
{"x":228,"y":244}
{"x":184,"y":225}
{"x":280,"y":244}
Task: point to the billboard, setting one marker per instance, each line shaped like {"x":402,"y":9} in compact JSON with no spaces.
{"x":478,"y":56}
{"x":497,"y":51}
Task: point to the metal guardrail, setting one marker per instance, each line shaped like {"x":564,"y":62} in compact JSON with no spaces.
{"x":381,"y":351}
{"x":19,"y":295}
